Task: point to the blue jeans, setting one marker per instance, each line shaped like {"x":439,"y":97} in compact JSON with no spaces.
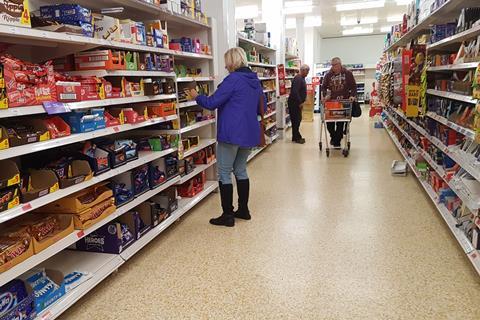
{"x":232,"y":158}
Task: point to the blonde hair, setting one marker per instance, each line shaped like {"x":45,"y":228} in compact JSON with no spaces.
{"x":235,"y":58}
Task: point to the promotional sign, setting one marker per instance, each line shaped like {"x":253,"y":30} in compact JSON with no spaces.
{"x":281,"y":79}
{"x":413,"y":100}
{"x":316,"y":81}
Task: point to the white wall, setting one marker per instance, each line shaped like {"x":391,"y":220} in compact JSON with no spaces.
{"x":358,"y":49}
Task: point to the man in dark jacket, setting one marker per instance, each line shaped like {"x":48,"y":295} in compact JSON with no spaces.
{"x":298,"y":94}
{"x":338,"y":83}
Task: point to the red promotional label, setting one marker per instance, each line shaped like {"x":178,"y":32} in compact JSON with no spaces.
{"x":281,"y":79}
{"x":316,"y":81}
{"x":80,"y":234}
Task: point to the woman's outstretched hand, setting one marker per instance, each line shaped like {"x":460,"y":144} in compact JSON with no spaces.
{"x":192,"y":94}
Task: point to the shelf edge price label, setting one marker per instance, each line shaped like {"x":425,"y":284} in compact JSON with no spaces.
{"x":80,"y":234}
{"x":27,"y":207}
{"x":54,"y":107}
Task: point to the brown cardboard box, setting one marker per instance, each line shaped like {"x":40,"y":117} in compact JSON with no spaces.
{"x":73,"y":204}
{"x":42,"y":183}
{"x":10,"y":264}
{"x":66,"y":228}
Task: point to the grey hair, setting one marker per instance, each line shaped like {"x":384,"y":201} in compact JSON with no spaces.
{"x":305,"y":67}
{"x":336,"y":59}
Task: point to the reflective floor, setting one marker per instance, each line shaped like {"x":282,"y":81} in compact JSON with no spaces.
{"x":336,"y":238}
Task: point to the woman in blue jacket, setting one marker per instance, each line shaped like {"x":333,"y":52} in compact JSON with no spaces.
{"x":237,"y":100}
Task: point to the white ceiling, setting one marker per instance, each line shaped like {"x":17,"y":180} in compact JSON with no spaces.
{"x":331,"y":18}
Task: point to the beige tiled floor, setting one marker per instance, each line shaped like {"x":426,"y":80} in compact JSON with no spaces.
{"x":330,"y":239}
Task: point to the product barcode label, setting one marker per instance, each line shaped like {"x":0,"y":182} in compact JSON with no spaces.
{"x":68,"y":96}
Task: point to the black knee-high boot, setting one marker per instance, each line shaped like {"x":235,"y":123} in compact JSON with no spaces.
{"x":226,"y":196}
{"x":243,"y":190}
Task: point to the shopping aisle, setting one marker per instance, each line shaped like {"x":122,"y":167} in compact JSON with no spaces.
{"x":330,"y":239}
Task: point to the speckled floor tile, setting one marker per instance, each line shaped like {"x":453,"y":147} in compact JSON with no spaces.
{"x":336,"y":238}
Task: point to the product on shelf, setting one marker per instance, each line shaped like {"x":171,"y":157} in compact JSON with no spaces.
{"x":192,"y":187}
{"x":47,"y":285}
{"x":15,"y":12}
{"x":87,"y":206}
{"x":15,"y":247}
{"x":70,"y":14}
{"x":113,"y":237}
{"x":16,"y":301}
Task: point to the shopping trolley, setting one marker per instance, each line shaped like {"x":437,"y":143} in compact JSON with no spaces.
{"x":336,"y":111}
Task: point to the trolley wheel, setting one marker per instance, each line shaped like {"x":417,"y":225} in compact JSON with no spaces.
{"x":320,"y":146}
{"x":348,"y":145}
{"x":345,"y":153}
{"x":327,"y":151}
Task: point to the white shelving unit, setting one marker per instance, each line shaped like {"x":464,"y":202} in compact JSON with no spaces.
{"x":451,"y":222}
{"x":264,"y":76}
{"x":37,"y":45}
{"x":466,"y":182}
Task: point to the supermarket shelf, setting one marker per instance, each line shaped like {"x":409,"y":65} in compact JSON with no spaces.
{"x":25,"y":111}
{"x":99,"y":265}
{"x":290,"y":77}
{"x":271,"y":102}
{"x":465,"y":131}
{"x":268,"y":115}
{"x":453,"y":41}
{"x":444,"y":13}
{"x":120,"y":73}
{"x":454,"y":67}
{"x":446,"y":215}
{"x":203,"y":144}
{"x":187,"y":104}
{"x":268,"y":90}
{"x":40,"y":38}
{"x":474,"y":258}
{"x":199,"y":79}
{"x":291,"y":56}
{"x":140,"y":10}
{"x":270,"y":126}
{"x":273,"y":138}
{"x":255,"y":153}
{"x":457,"y":155}
{"x":257,"y":45}
{"x":184,"y":206}
{"x":451,"y":95}
{"x":267,"y":78}
{"x":189,"y":128}
{"x":257,"y":64}
{"x":54,"y":143}
{"x":292,"y":68}
{"x":144,"y":157}
{"x":66,"y":242}
{"x":198,"y":169}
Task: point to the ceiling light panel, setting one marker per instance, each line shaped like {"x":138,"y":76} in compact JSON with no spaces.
{"x":246,"y":12}
{"x":357,"y":30}
{"x":344,"y":21}
{"x":292,"y":4}
{"x":298,"y":10}
{"x":386,"y":29}
{"x":360,"y":5}
{"x":395,"y":18}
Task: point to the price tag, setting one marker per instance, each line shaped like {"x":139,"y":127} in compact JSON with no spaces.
{"x":80,"y":234}
{"x":116,"y":129}
{"x":47,"y":315}
{"x":54,"y":107}
{"x":27,"y":207}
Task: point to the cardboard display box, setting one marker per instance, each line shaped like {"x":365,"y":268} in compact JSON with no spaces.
{"x":73,"y":203}
{"x":15,"y":13}
{"x":9,"y":175}
{"x":66,"y":228}
{"x":41,"y":182}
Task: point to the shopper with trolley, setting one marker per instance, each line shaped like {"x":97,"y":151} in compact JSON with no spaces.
{"x":338,"y":84}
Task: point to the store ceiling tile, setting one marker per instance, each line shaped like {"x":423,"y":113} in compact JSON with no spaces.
{"x":331,"y":25}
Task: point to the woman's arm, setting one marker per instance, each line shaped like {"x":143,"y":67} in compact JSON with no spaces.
{"x":219,"y":97}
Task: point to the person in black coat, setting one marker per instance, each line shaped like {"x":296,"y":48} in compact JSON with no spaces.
{"x":298,"y":95}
